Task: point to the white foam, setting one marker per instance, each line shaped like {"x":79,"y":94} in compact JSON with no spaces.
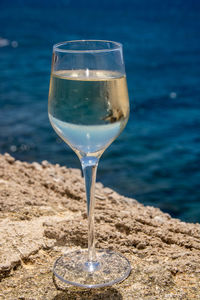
{"x":4,"y":42}
{"x":172,"y":95}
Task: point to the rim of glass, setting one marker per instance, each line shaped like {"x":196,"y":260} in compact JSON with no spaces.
{"x":57,"y":46}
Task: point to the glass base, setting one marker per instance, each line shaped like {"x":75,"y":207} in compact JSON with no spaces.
{"x":109,"y":268}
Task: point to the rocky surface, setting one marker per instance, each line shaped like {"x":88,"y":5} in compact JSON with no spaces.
{"x":43,"y":213}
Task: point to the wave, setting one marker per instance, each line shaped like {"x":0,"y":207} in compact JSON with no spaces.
{"x":6,"y":42}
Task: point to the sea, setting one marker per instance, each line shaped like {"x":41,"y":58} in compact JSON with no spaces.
{"x":156,"y":159}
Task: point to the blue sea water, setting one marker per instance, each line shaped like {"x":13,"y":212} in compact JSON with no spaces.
{"x":157,"y":158}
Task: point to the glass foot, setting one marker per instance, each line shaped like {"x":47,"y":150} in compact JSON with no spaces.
{"x":109,"y":268}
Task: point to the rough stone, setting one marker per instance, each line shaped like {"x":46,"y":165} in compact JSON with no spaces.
{"x":43,"y":214}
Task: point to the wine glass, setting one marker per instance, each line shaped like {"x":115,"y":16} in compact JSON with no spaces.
{"x":88,"y":108}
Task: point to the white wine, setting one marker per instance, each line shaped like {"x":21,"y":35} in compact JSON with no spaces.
{"x":88,"y":108}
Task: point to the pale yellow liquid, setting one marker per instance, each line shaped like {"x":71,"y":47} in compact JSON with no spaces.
{"x":88,"y":109}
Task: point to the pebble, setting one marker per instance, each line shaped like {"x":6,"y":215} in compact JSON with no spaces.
{"x":45,"y":163}
{"x":36,"y":166}
{"x":159,"y":219}
{"x":101,"y":197}
{"x":9,"y":158}
{"x":141,"y":246}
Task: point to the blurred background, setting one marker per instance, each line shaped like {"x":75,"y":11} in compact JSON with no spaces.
{"x":157,"y":158}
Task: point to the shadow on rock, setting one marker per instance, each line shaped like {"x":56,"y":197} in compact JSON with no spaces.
{"x":108,"y":294}
{"x":69,"y":292}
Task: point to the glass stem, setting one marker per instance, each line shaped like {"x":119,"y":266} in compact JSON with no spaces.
{"x":89,"y":166}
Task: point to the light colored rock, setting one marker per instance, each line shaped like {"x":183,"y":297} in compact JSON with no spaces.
{"x":43,"y":214}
